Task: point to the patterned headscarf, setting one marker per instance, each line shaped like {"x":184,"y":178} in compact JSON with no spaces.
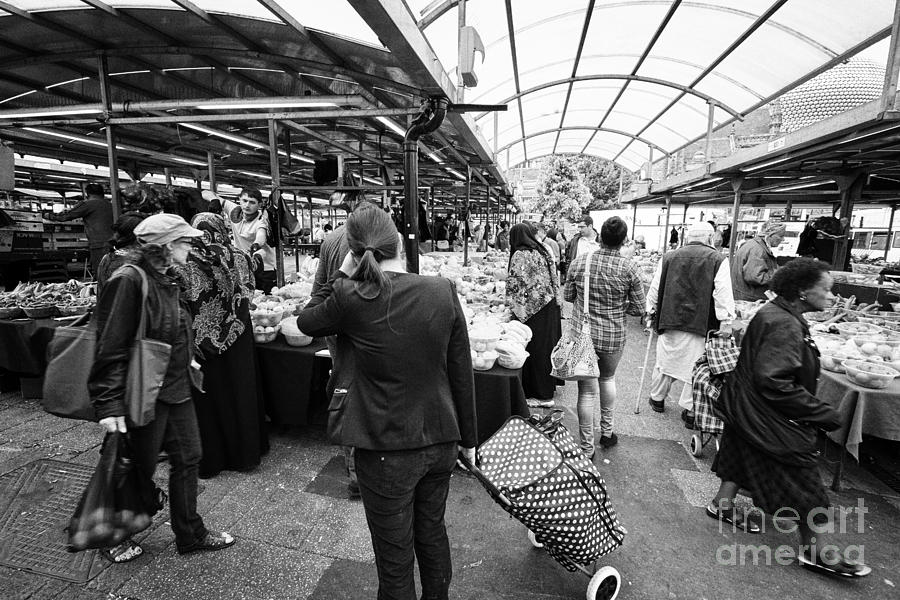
{"x":218,"y":284}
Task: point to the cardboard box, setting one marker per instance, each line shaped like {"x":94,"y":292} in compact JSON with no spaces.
{"x":25,"y":221}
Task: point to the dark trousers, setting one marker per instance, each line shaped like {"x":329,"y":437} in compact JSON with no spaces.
{"x":175,"y":430}
{"x":97,"y":255}
{"x":404,"y":493}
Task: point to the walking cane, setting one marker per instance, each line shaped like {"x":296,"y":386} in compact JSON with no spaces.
{"x":637,"y":402}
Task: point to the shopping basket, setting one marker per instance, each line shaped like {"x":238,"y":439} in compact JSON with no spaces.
{"x":718,"y":359}
{"x":535,"y":471}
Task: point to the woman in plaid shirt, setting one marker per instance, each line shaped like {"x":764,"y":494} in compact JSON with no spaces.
{"x":615,"y":289}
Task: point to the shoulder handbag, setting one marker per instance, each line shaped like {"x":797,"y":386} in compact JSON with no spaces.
{"x":70,"y":356}
{"x":147,"y":367}
{"x":574,"y":358}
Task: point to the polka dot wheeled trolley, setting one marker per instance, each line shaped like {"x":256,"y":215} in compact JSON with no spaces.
{"x":535,"y":471}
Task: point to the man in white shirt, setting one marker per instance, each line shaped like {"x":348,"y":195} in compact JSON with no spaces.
{"x":689,"y":295}
{"x":250,"y":228}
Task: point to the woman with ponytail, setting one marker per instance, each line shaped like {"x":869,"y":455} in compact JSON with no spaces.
{"x":410,"y":407}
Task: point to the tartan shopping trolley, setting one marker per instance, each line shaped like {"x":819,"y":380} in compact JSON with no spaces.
{"x":719,"y":358}
{"x":534,"y":470}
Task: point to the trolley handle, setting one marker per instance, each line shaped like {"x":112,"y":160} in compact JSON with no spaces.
{"x":491,"y":488}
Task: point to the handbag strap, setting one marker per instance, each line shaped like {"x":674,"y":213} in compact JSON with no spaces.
{"x":587,"y":290}
{"x":145,"y":291}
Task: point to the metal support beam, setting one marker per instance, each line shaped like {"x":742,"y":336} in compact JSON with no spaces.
{"x":850,"y":187}
{"x":275,"y":172}
{"x":464,"y":226}
{"x":340,"y":145}
{"x":684,"y":224}
{"x":211,"y":167}
{"x":889,"y":99}
{"x":736,"y":184}
{"x":709,"y":131}
{"x":665,"y":245}
{"x":111,"y":153}
{"x":887,"y":243}
{"x":168,"y":173}
{"x":461,"y":22}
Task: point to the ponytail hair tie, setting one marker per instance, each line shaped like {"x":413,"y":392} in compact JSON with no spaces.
{"x":370,"y":249}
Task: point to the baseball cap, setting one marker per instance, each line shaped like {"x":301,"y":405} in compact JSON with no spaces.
{"x":164,"y":228}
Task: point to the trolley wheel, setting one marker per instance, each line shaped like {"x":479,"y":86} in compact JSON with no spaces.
{"x":604,"y":584}
{"x":533,"y":539}
{"x":696,"y":445}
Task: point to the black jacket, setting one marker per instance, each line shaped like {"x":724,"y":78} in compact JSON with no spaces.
{"x":686,"y":284}
{"x":769,"y":399}
{"x":117,"y":317}
{"x":412,"y":383}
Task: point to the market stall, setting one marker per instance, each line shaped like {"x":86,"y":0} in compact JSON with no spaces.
{"x":863,"y":411}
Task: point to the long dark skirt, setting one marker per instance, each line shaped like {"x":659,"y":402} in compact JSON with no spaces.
{"x":546,"y":329}
{"x":773,"y":485}
{"x":231,"y":414}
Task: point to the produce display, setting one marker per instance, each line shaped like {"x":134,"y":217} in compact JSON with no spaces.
{"x":647,"y":261}
{"x":869,"y":374}
{"x":41,"y":300}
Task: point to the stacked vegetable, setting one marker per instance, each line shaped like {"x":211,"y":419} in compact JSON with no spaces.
{"x":41,"y":300}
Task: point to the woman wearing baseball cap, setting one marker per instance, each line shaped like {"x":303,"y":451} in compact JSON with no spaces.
{"x":164,"y":240}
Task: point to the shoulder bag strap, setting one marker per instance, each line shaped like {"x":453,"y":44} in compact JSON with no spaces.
{"x":145,"y":291}
{"x":586,"y":323}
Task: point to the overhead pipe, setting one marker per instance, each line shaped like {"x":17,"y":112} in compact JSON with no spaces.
{"x":429,"y":120}
{"x":203,"y":103}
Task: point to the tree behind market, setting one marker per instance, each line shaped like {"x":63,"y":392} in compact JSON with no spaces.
{"x":571,"y":184}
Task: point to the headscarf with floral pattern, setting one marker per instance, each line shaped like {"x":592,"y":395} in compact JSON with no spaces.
{"x":218,"y":284}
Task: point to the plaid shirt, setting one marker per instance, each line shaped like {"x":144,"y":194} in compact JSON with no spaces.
{"x":615,"y":288}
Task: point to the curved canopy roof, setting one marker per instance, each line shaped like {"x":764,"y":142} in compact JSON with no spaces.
{"x":615,"y":78}
{"x":619,"y":79}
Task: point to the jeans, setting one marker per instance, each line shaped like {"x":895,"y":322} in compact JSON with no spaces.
{"x":404,"y":493}
{"x":589,"y":391}
{"x":175,"y":430}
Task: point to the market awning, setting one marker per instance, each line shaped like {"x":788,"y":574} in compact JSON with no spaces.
{"x":338,"y":89}
{"x":628,"y":80}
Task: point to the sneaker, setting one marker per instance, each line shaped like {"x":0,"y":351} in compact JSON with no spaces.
{"x":607,"y":441}
{"x":535,"y":403}
{"x":688,"y":418}
{"x":657,"y":405}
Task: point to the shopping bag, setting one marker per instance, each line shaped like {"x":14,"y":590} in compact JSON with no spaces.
{"x":70,"y":356}
{"x":147,"y":366}
{"x":573,"y":358}
{"x":118,"y":502}
{"x":722,"y":353}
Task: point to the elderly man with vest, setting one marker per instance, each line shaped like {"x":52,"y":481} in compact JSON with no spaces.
{"x":754,"y":263}
{"x":690,"y":294}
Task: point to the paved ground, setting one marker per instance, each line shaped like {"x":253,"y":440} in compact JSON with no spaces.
{"x":300,"y":538}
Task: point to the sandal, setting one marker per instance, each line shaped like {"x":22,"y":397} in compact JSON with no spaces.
{"x":125,"y":552}
{"x":737,"y":520}
{"x":839,"y":567}
{"x":212,"y":541}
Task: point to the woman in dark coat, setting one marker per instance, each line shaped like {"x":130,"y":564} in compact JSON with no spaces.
{"x":218,"y":284}
{"x":772,"y":415}
{"x":410,"y":403}
{"x":531,"y":290}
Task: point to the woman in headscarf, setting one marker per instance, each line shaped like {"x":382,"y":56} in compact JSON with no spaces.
{"x":531,"y":290}
{"x":218,"y":284}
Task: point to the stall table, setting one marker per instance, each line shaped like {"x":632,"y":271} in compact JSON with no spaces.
{"x":863,"y":411}
{"x":293,"y":382}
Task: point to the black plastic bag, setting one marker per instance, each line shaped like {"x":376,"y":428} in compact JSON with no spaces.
{"x":118,"y":502}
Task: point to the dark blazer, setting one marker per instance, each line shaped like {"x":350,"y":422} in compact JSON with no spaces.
{"x":769,"y":399}
{"x":412,"y":385}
